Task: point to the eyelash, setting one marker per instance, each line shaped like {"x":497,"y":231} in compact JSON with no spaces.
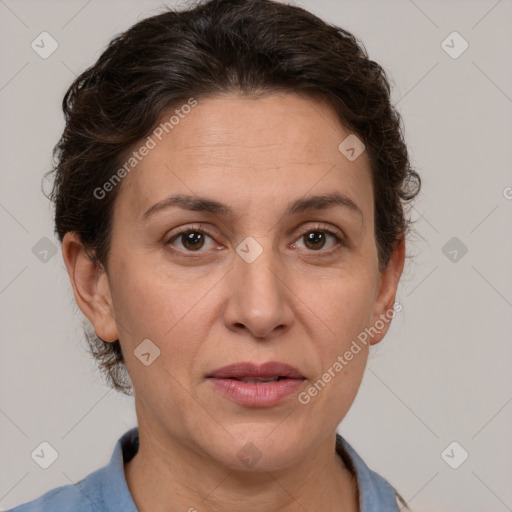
{"x":203,"y":230}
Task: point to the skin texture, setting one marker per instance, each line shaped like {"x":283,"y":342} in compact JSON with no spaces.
{"x":293,"y":305}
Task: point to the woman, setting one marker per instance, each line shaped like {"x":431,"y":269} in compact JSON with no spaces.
{"x":229,"y":193}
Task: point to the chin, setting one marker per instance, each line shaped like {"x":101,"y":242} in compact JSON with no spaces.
{"x":259,"y":451}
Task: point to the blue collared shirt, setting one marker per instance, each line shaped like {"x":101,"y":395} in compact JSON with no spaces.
{"x":106,"y":490}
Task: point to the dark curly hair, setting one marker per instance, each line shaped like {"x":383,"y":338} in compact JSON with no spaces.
{"x":216,"y":47}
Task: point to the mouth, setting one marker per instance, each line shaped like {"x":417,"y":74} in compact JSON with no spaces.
{"x":253,"y":380}
{"x":249,"y":372}
{"x":256,"y":386}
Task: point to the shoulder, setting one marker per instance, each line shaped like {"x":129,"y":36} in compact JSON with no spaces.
{"x":104,"y":489}
{"x":79,"y":497}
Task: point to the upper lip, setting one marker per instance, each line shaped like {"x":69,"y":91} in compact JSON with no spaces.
{"x":246,"y":369}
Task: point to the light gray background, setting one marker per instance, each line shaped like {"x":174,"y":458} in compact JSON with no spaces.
{"x":443,"y":372}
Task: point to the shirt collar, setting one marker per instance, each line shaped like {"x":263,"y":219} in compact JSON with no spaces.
{"x":375,"y":493}
{"x":110,"y":480}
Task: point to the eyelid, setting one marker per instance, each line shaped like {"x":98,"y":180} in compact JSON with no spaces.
{"x":189,"y":227}
{"x":322,"y":227}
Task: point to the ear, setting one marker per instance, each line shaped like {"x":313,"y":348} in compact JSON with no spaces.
{"x":388,"y":282}
{"x":90,"y":287}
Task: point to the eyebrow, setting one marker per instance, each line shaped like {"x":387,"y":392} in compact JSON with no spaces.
{"x":204,"y":204}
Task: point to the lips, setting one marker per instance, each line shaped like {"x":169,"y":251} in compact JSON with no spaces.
{"x":249,"y":372}
{"x":249,"y":385}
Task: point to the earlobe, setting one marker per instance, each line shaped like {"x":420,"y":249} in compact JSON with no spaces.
{"x":388,"y":283}
{"x":90,"y":287}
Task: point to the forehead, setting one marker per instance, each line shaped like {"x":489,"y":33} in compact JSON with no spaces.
{"x":243,"y":150}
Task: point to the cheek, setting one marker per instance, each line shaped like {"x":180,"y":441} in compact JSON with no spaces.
{"x":149,"y":304}
{"x":344,"y":305}
{"x":173,"y":313}
{"x":149,"y":301}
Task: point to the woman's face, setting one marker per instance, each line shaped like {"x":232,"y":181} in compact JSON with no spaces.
{"x":290,"y":293}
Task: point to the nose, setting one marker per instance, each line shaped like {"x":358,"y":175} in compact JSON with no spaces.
{"x":258,"y":297}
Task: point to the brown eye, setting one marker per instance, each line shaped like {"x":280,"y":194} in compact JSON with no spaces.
{"x":315,"y":240}
{"x":192,"y":240}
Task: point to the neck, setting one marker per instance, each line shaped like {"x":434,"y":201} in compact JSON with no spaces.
{"x":175,"y":477}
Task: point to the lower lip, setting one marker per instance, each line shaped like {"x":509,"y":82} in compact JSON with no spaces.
{"x":257,"y":394}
